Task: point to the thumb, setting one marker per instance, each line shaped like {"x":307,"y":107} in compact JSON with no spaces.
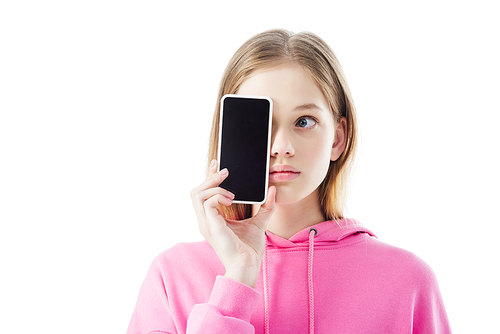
{"x":267,"y":209}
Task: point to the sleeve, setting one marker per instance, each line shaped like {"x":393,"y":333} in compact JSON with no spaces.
{"x":228,"y":309}
{"x":429,"y":314}
{"x":152,"y":313}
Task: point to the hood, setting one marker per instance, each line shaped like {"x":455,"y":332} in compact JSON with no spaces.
{"x":327,"y":232}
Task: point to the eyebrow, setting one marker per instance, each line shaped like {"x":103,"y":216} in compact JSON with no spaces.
{"x":307,"y":106}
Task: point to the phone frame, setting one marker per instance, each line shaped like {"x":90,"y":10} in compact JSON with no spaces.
{"x":268,"y":139}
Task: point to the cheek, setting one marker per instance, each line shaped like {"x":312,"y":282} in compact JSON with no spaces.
{"x":317,"y":157}
{"x":318,"y":152}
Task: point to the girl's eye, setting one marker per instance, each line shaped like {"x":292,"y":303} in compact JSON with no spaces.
{"x":306,"y":122}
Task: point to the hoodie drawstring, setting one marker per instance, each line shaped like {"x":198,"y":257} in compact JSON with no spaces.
{"x":310,"y":264}
{"x":310,"y":279}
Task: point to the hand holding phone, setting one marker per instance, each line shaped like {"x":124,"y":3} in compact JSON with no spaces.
{"x":239,"y":244}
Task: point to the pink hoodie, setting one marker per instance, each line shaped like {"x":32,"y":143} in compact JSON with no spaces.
{"x":335,"y":277}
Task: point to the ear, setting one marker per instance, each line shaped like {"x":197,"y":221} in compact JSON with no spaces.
{"x":340,"y":139}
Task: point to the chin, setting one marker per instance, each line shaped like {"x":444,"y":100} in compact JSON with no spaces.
{"x":284,"y":197}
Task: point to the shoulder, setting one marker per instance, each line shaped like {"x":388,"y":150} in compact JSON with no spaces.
{"x":185,"y":259}
{"x":184,"y":249}
{"x":185,"y":252}
{"x":402,"y":264}
{"x":402,"y":282}
{"x":185,"y":273}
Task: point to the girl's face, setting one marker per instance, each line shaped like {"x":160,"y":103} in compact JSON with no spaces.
{"x":304,"y":136}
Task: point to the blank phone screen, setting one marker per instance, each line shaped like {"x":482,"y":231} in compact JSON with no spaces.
{"x":244,"y":146}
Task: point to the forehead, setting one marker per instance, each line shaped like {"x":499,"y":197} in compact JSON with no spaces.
{"x":288,"y":85}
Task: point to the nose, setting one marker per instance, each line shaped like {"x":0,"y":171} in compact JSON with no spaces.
{"x":281,"y":144}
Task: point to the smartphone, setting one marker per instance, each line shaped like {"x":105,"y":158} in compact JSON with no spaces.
{"x":244,"y":146}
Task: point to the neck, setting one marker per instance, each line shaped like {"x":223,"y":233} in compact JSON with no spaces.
{"x":290,"y":218}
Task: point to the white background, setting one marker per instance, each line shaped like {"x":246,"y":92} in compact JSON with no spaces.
{"x":105,"y":114}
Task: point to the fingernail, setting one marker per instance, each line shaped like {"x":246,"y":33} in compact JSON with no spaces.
{"x":223,"y":172}
{"x":212,"y":163}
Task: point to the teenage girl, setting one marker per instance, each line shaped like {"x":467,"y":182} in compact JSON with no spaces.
{"x":294,"y":264}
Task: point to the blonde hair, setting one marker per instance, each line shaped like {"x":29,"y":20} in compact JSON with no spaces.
{"x":272,"y":48}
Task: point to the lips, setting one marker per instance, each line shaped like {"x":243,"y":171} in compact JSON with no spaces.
{"x":283,"y":173}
